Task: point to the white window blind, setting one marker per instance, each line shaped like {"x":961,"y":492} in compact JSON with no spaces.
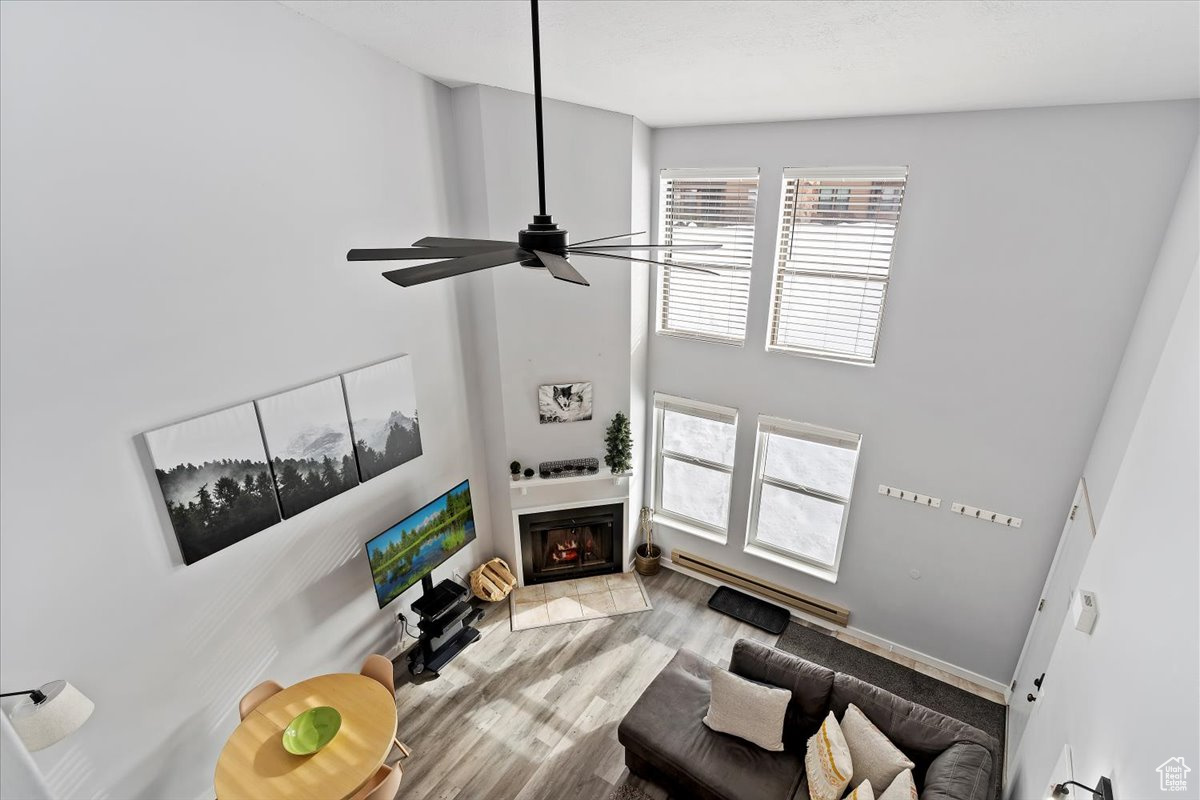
{"x":836,"y":235}
{"x":693,"y":466}
{"x":803,"y":477}
{"x":701,"y":207}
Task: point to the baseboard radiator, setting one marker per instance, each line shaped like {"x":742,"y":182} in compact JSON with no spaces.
{"x":798,"y":600}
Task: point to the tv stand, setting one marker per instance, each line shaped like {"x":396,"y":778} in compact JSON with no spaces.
{"x":446,"y":615}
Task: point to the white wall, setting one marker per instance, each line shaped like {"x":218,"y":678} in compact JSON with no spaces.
{"x":180,"y":184}
{"x":530,"y":329}
{"x":1176,"y":259}
{"x":20,"y":777}
{"x":641,"y":183}
{"x":1025,"y":243}
{"x":1127,"y":697}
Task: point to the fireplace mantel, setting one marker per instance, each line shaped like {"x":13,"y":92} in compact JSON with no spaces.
{"x":538,"y":482}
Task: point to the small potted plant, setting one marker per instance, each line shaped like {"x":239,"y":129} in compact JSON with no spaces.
{"x":647,"y":554}
{"x":528,"y":473}
{"x":515,"y":469}
{"x":618,"y":445}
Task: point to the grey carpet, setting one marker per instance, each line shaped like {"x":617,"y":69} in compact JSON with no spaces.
{"x":829,"y":651}
{"x":627,"y":791}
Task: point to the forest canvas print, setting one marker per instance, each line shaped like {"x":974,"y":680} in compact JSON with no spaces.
{"x":382,"y":400}
{"x":214,"y":477}
{"x":308,"y":441}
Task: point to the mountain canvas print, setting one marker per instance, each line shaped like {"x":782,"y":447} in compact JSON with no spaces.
{"x":214,"y":477}
{"x":308,"y":440}
{"x":382,"y":400}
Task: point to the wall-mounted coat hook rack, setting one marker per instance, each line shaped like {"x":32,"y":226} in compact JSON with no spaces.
{"x":912,"y":497}
{"x":986,"y":516}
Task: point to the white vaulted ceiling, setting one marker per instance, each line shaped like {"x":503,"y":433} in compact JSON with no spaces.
{"x":683,"y":62}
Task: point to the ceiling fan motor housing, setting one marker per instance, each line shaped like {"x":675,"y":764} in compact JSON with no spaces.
{"x":542,"y":234}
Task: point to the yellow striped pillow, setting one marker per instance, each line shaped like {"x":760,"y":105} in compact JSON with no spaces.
{"x":827,"y":762}
{"x":862,"y":792}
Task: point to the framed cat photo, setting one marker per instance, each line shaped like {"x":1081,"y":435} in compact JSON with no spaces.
{"x":565,"y":402}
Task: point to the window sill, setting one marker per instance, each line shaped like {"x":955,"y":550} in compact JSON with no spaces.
{"x":698,"y":337}
{"x":791,"y":351}
{"x":828,"y":575}
{"x":692,"y":530}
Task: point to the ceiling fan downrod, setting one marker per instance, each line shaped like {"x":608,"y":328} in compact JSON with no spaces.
{"x":542,"y":234}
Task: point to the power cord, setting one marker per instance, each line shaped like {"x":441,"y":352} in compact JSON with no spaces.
{"x":404,"y":629}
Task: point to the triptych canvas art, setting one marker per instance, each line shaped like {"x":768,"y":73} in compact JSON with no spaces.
{"x":227,"y":475}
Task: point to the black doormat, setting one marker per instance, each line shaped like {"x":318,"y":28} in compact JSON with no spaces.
{"x":758,"y":613}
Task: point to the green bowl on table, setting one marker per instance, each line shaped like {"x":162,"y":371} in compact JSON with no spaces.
{"x":311,"y":730}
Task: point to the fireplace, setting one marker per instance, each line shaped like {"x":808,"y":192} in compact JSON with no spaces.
{"x":572,"y":542}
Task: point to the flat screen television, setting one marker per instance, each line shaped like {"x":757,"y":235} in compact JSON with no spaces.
{"x":410,"y":549}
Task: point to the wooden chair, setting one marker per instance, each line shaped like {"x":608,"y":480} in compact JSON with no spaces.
{"x":383,"y":785}
{"x":379,"y":668}
{"x":256,"y":695}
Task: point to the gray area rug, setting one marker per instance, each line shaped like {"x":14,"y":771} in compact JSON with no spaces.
{"x":828,"y":651}
{"x":627,"y":791}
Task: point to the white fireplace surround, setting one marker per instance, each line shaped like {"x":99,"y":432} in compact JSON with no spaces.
{"x":627,"y":551}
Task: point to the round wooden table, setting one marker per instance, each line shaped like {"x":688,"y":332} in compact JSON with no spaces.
{"x":254,"y":766}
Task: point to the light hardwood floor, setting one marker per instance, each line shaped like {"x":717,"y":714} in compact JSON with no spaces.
{"x":532,"y":715}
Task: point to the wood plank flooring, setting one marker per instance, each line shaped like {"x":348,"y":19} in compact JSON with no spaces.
{"x":532,"y":715}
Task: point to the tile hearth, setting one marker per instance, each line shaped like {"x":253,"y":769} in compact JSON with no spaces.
{"x":577,"y":600}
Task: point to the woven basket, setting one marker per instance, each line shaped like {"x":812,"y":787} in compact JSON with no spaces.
{"x":492,"y":581}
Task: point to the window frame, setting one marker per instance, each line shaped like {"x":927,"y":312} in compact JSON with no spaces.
{"x":697,"y":527}
{"x":701,"y":174}
{"x":875,"y":192}
{"x":768,"y":425}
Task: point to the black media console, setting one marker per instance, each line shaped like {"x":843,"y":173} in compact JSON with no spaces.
{"x":446,"y":615}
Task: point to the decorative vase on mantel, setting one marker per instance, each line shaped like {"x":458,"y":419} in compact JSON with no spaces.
{"x":647,"y":554}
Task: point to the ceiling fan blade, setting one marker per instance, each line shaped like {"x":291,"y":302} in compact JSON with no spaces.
{"x":415,"y":253}
{"x":474,"y":244}
{"x":561,"y":268}
{"x":643,"y":261}
{"x":680,"y":247}
{"x":606,"y":238}
{"x":411,"y":276}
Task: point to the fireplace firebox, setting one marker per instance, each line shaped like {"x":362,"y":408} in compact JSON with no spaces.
{"x":572,"y":542}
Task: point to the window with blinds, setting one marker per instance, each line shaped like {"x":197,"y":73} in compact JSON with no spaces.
{"x":803,"y":476}
{"x":836,"y":235}
{"x":705,"y":207}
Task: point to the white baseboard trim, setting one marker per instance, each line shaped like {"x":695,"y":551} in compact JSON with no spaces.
{"x":886,"y":644}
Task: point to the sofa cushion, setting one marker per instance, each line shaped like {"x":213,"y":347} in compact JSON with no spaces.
{"x":748,"y":710}
{"x":863,"y":791}
{"x":827,"y":762}
{"x":921,"y":733}
{"x":665,"y":729}
{"x":809,"y":684}
{"x":962,"y":772}
{"x":903,"y":788}
{"x":875,"y":758}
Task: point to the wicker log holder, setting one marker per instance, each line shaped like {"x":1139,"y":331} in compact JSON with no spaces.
{"x":492,"y":581}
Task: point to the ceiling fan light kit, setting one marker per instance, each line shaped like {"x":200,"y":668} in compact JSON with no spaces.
{"x":541,"y":245}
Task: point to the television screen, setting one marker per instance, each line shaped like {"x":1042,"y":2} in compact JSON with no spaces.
{"x":410,"y":549}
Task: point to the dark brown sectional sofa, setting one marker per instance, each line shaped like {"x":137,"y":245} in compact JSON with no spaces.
{"x":666,"y":741}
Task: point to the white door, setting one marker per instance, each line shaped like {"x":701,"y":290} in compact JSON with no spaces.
{"x":1061,"y":582}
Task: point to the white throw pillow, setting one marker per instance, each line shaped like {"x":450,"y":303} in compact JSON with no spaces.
{"x":875,"y":758}
{"x":862,"y":792}
{"x":903,"y":788}
{"x":827,"y":761}
{"x":748,"y":710}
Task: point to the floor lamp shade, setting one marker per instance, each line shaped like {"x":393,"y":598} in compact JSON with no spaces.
{"x":63,"y":711}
